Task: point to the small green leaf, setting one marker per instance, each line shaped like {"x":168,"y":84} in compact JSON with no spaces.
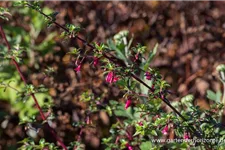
{"x":153,"y":132}
{"x":151,"y":56}
{"x":113,"y":102}
{"x":74,"y":51}
{"x":214,"y":96}
{"x":42,"y":142}
{"x":118,"y":51}
{"x":4,"y":14}
{"x":187,"y":100}
{"x":146,"y":146}
{"x":20,"y":3}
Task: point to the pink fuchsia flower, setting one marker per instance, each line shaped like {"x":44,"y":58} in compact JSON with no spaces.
{"x":96,"y":60}
{"x":153,"y":87}
{"x":148,"y":75}
{"x":186,"y":136}
{"x":140,"y":123}
{"x":78,"y":68}
{"x":165,"y":130}
{"x":129,"y":147}
{"x":88,"y":120}
{"x":111,"y":77}
{"x":136,"y":57}
{"x":128,"y":103}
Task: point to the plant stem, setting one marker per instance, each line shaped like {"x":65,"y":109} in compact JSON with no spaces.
{"x":32,"y":95}
{"x":7,"y":85}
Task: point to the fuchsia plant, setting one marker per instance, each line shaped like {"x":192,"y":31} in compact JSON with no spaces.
{"x":143,"y":121}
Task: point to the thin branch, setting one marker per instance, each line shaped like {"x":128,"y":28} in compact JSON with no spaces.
{"x":9,"y":86}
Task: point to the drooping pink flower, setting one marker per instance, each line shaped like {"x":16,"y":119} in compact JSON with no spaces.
{"x":153,"y":87}
{"x":111,"y":77}
{"x":157,"y":116}
{"x":186,"y":136}
{"x":129,"y":146}
{"x":88,"y":120}
{"x":98,"y":43}
{"x":96,"y":59}
{"x":78,"y":68}
{"x":148,"y":75}
{"x":136,"y":57}
{"x":165,"y":130}
{"x":140,"y":123}
{"x":128,"y":103}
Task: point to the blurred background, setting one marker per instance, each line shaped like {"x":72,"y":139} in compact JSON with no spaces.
{"x":191,"y":37}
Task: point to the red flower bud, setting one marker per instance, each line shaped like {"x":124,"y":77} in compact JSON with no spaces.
{"x":140,"y":123}
{"x":148,"y":75}
{"x":129,"y":146}
{"x":78,"y":68}
{"x":186,"y":136}
{"x":128,"y":103}
{"x":136,"y":57}
{"x":165,"y":130}
{"x":110,"y":78}
{"x":95,"y":61}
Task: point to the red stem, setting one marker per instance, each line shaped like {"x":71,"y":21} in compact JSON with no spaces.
{"x":32,"y":95}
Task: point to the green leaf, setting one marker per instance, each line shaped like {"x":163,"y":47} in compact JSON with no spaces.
{"x":19,"y":3}
{"x":214,"y":96}
{"x":146,"y":146}
{"x":113,"y":102}
{"x":137,"y":133}
{"x":150,"y":57}
{"x":4,"y":14}
{"x":119,"y":37}
{"x":120,"y":55}
{"x":121,"y":112}
{"x":73,"y":28}
{"x":106,"y":140}
{"x":187,"y":100}
{"x":153,"y":132}
{"x":42,"y":142}
{"x":160,"y":121}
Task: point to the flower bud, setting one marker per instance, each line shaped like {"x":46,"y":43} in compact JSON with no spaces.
{"x":165,"y":130}
{"x":129,"y":147}
{"x":95,"y":61}
{"x":140,"y":123}
{"x":128,"y":103}
{"x":78,"y":68}
{"x":148,"y":75}
{"x":186,"y":136}
{"x":111,"y":77}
